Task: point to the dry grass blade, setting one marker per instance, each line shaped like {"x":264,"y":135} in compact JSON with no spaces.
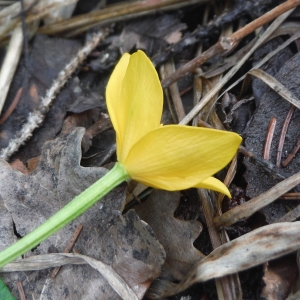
{"x":255,"y":204}
{"x":249,"y":250}
{"x":10,"y":63}
{"x":229,"y":75}
{"x":269,"y":138}
{"x":276,"y":86}
{"x":42,"y":262}
{"x":291,"y":216}
{"x":118,"y":12}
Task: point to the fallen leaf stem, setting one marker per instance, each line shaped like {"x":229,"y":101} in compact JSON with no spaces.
{"x":71,"y":211}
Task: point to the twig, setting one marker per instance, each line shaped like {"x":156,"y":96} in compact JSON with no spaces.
{"x":21,"y":290}
{"x":37,"y":117}
{"x":68,"y":247}
{"x":292,"y":154}
{"x":269,"y":138}
{"x":290,"y":196}
{"x":228,"y":43}
{"x":283,"y":134}
{"x":264,"y":164}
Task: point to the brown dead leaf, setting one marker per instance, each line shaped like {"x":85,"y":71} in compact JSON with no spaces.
{"x":280,"y":275}
{"x":175,"y":235}
{"x":123,"y":242}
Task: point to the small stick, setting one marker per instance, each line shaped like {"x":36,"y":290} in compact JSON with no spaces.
{"x":12,"y":106}
{"x":269,"y":138}
{"x":283,"y":134}
{"x":68,"y":247}
{"x":292,"y":154}
{"x":186,"y":90}
{"x":262,"y":163}
{"x":21,"y":290}
{"x":290,"y":196}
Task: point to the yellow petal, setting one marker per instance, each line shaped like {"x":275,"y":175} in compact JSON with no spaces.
{"x":139,"y":105}
{"x":212,"y":183}
{"x":179,"y":157}
{"x":113,"y":97}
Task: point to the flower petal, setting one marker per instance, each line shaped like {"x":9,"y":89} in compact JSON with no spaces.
{"x":212,"y":183}
{"x":113,"y":97}
{"x":139,"y":105}
{"x":179,"y":157}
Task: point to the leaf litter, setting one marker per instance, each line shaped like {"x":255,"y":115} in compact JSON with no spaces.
{"x":125,"y":253}
{"x":124,"y":242}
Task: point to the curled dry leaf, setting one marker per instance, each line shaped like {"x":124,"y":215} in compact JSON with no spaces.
{"x":125,"y":243}
{"x":175,"y":235}
{"x":247,"y":251}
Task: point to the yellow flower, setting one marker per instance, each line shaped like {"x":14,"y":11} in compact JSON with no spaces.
{"x":172,"y":157}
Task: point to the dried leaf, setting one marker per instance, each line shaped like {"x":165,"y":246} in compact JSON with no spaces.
{"x":279,"y":278}
{"x":123,"y":242}
{"x":175,"y":235}
{"x":247,"y":251}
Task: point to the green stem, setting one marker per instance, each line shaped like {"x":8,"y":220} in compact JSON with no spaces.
{"x":72,"y":210}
